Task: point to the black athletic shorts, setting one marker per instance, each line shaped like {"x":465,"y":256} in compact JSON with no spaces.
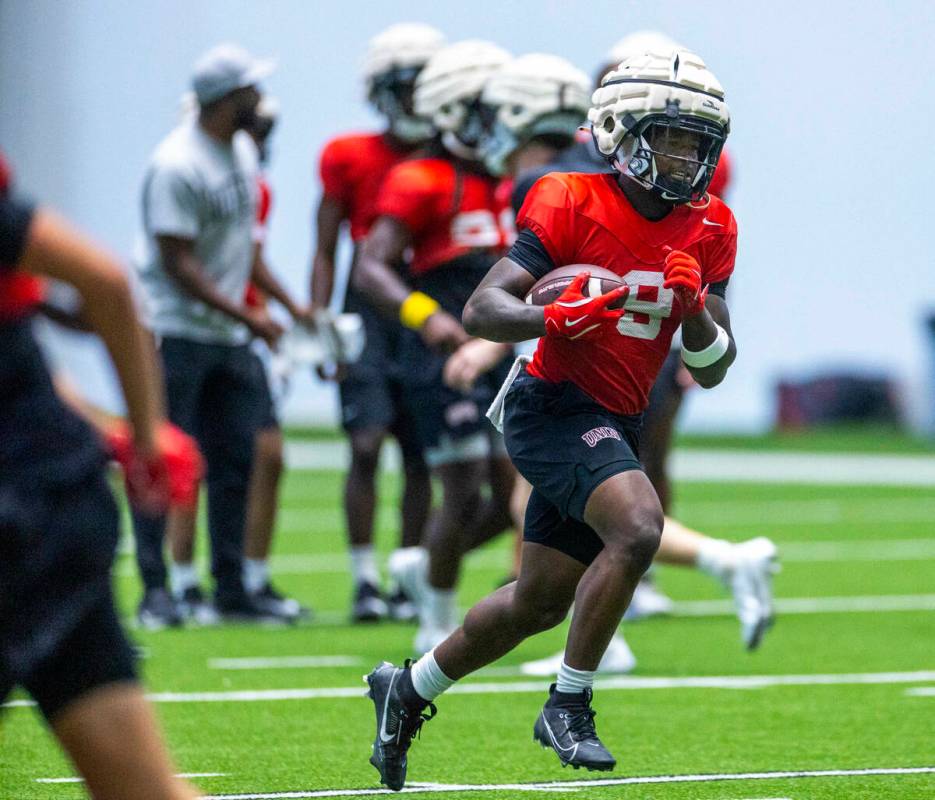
{"x":59,"y":633}
{"x":372,"y":391}
{"x":565,"y":444}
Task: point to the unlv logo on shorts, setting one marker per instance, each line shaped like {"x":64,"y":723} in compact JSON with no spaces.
{"x":595,"y":435}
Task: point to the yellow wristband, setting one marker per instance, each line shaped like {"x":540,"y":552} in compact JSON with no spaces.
{"x":416,"y":309}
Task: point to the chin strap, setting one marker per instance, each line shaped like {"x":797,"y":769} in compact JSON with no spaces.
{"x":454,"y":145}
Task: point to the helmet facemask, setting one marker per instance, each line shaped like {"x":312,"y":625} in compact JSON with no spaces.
{"x":671,"y":154}
{"x":391,"y":94}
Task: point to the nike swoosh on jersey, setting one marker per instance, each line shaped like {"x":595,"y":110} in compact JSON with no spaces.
{"x":384,"y":737}
{"x":706,"y":221}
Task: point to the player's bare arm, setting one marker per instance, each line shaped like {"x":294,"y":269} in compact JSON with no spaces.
{"x":184,"y":267}
{"x":262,"y":276}
{"x":375,"y":277}
{"x":700,"y":332}
{"x":497,"y":310}
{"x":331,"y":213}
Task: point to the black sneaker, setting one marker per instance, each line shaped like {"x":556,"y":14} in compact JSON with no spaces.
{"x":566,"y":724}
{"x":398,"y":721}
{"x":241,"y":607}
{"x":193,"y":607}
{"x":279,"y":606}
{"x":402,"y":609}
{"x":369,"y":605}
{"x":157,"y":611}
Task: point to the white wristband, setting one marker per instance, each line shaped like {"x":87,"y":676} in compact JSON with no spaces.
{"x":712,"y":353}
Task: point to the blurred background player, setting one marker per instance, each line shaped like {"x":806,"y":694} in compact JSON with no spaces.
{"x":352,"y":167}
{"x":199,"y":211}
{"x":59,"y":634}
{"x":268,"y":460}
{"x":443,"y":207}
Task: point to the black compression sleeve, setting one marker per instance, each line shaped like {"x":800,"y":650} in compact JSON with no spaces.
{"x":15,"y":217}
{"x":719,"y":288}
{"x":529,"y":252}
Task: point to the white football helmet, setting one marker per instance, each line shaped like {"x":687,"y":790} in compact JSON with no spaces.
{"x":448,"y":92}
{"x":535,"y":95}
{"x":641,"y":42}
{"x":393,"y":60}
{"x":648,"y":108}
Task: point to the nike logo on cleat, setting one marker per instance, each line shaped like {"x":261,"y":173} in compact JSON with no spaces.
{"x":385,"y":737}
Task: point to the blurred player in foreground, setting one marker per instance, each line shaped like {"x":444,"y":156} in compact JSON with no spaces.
{"x":571,"y":418}
{"x":444,"y":208}
{"x":59,"y":634}
{"x":352,"y":168}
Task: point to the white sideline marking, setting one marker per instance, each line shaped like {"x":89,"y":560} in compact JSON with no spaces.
{"x":284,"y":662}
{"x":815,"y":605}
{"x":629,"y":683}
{"x":714,"y":466}
{"x":583,"y":784}
{"x":179,"y":775}
{"x":921,"y":691}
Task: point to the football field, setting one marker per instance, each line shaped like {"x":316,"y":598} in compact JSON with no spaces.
{"x":838,"y":703}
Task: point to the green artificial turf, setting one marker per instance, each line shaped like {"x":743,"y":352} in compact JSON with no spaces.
{"x":323,"y":743}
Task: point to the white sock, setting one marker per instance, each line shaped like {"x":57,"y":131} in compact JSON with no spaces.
{"x":573,"y":681}
{"x":715,"y":558}
{"x":428,"y":679}
{"x":440,"y":611}
{"x":182,"y":577}
{"x":364,"y":565}
{"x":255,"y":574}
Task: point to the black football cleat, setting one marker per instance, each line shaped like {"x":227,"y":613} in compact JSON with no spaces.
{"x":398,"y":722}
{"x":566,"y":724}
{"x":369,"y":605}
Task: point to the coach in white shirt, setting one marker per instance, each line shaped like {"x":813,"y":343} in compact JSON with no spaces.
{"x":199,"y":207}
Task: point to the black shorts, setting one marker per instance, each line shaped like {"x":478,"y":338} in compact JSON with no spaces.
{"x":59,"y":633}
{"x":372,"y":392}
{"x":565,"y":444}
{"x":451,"y":425}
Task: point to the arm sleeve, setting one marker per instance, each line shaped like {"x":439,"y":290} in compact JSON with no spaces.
{"x":549,"y":213}
{"x":531,"y":255}
{"x":332,"y":169}
{"x":719,"y":288}
{"x":524,"y":183}
{"x":171,"y":204}
{"x":15,"y":219}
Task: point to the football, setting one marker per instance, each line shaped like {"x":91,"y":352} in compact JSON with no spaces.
{"x":549,"y":287}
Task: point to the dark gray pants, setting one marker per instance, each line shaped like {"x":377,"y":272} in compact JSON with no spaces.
{"x":218,"y":394}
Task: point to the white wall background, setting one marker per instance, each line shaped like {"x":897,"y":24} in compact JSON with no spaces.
{"x":832,"y":136}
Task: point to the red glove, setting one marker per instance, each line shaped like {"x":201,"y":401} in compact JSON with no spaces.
{"x":575,"y":316}
{"x":170,"y":477}
{"x":682,"y":274}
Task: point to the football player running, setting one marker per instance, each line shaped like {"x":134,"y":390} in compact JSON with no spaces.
{"x":352,"y":167}
{"x":444,"y":209}
{"x":571,"y":418}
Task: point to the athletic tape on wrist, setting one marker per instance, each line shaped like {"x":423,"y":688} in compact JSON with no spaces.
{"x":712,"y":353}
{"x":416,"y":309}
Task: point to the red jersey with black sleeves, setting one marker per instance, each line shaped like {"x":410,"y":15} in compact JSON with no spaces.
{"x":19,"y":293}
{"x":352,"y":168}
{"x":586,"y":219}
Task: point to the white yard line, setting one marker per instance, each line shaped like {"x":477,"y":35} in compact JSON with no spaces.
{"x":179,"y":775}
{"x":921,"y":691}
{"x":712,"y":465}
{"x":622,"y":683}
{"x":283,"y":662}
{"x":582,"y":784}
{"x":868,"y":604}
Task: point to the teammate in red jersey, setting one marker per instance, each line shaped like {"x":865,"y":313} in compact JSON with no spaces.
{"x":60,"y":637}
{"x":352,"y":168}
{"x":444,"y":209}
{"x":571,"y":421}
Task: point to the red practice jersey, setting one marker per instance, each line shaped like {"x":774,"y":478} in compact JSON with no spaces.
{"x":586,"y":219}
{"x":720,"y":183}
{"x":448,"y":211}
{"x":352,"y":168}
{"x":19,"y":293}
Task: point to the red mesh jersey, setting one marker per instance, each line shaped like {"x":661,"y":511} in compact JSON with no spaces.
{"x":586,"y":219}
